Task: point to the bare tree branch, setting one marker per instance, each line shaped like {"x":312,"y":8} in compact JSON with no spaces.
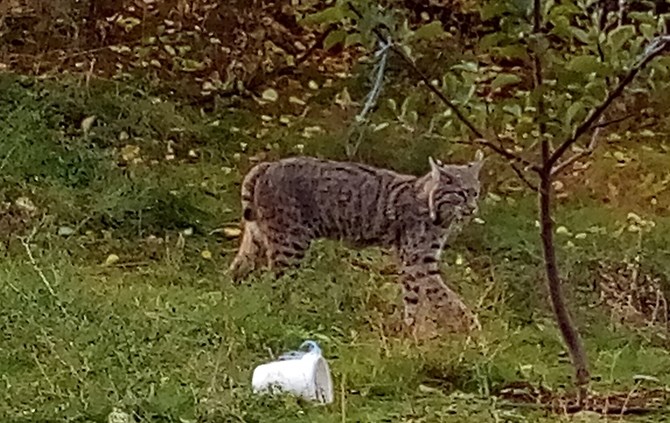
{"x":605,"y":124}
{"x":509,"y":155}
{"x":652,"y":52}
{"x":520,"y":173}
{"x":584,"y":153}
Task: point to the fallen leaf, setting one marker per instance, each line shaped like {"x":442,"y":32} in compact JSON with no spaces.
{"x":562,"y":230}
{"x":119,"y":416}
{"x":296,"y":100}
{"x":232,"y":232}
{"x":26,"y":204}
{"x":130,"y":152}
{"x":270,"y":95}
{"x":111,"y":259}
{"x":619,"y":156}
{"x":87,"y":123}
{"x":65,"y":231}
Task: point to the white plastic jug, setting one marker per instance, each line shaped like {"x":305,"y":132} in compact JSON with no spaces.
{"x":302,"y":373}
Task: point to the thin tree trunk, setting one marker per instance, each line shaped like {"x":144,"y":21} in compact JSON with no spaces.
{"x":567,"y":328}
{"x":565,"y":325}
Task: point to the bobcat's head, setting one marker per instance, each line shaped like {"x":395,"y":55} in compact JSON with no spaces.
{"x":453,"y":190}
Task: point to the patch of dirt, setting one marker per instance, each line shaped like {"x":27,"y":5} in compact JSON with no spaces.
{"x":201,"y":46}
{"x":635,"y":402}
{"x":209,"y":43}
{"x":633,"y":296}
{"x":16,"y":217}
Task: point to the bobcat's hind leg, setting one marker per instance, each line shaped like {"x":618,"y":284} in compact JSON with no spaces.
{"x":251,"y":254}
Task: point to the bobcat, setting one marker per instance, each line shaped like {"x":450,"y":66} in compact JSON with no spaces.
{"x":288,"y":203}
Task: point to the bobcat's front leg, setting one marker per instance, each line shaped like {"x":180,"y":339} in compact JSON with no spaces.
{"x":431,"y":306}
{"x":251,"y":253}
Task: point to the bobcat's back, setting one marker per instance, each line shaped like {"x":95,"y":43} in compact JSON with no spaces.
{"x":330,"y":199}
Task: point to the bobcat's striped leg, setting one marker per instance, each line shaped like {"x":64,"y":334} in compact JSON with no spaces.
{"x":430,"y":305}
{"x":251,"y":254}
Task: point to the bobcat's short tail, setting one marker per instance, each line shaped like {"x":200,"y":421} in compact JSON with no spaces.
{"x":249,"y":188}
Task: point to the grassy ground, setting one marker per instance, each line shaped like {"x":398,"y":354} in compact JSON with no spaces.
{"x":115,"y":296}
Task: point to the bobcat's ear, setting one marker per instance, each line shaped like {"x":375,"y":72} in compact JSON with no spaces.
{"x":435,"y":179}
{"x":434,"y":170}
{"x":476,"y":166}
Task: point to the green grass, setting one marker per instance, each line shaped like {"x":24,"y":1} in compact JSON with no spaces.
{"x":165,"y":335}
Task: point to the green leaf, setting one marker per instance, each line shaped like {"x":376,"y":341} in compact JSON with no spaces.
{"x":513,"y":109}
{"x":493,"y":9}
{"x":405,"y":107}
{"x":429,"y":31}
{"x":450,"y":82}
{"x":522,"y":7}
{"x":662,"y":65}
{"x":353,"y":39}
{"x":466,"y":66}
{"x":596,"y":89}
{"x":392,"y":104}
{"x":643,"y":17}
{"x":619,"y":36}
{"x":648,"y":30}
{"x":329,"y":15}
{"x":561,"y":27}
{"x":584,"y":64}
{"x":334,"y":38}
{"x":581,"y":35}
{"x":504,"y":79}
{"x":492,"y":40}
{"x":512,"y":52}
{"x":572,"y":111}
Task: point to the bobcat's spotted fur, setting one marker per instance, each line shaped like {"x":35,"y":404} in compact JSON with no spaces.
{"x":288,"y":203}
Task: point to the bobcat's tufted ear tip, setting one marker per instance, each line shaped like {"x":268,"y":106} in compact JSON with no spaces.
{"x":434,"y":162}
{"x":434,"y":169}
{"x":477,"y":164}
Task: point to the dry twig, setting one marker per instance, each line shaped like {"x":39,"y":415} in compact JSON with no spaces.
{"x":26,"y":245}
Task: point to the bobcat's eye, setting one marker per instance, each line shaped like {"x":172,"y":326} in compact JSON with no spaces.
{"x":472,"y":193}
